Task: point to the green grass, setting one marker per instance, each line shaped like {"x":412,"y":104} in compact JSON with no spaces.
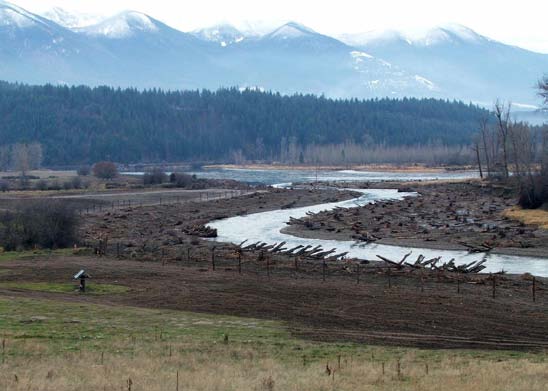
{"x":67,"y":326}
{"x":93,"y":289}
{"x":29,"y":254}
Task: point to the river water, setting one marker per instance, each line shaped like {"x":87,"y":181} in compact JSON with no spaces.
{"x":267,"y":226}
{"x":286,"y":177}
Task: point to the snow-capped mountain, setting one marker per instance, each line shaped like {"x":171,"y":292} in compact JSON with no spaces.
{"x":223,"y":34}
{"x":34,"y":49}
{"x":17,"y":20}
{"x":134,"y":49}
{"x":465,"y":64}
{"x":294,"y":58}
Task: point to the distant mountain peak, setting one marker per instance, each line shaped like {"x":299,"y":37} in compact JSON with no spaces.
{"x":448,"y":33}
{"x":223,"y":34}
{"x":123,"y":25}
{"x":291,"y":30}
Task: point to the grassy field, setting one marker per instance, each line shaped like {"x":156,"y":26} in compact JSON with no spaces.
{"x":51,"y":345}
{"x":15,"y":255}
{"x":537,"y":217}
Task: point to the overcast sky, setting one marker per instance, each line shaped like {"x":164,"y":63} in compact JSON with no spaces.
{"x":523,"y":23}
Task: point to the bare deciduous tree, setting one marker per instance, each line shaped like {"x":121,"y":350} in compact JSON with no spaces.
{"x":35,"y":155}
{"x":476,"y":149}
{"x":25,"y":157}
{"x":20,"y":158}
{"x":5,"y":157}
{"x":502,"y":112}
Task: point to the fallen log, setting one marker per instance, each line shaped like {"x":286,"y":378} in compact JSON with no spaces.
{"x":290,"y":251}
{"x":278,"y":247}
{"x":324,"y":254}
{"x":390,"y":262}
{"x":201,"y":231}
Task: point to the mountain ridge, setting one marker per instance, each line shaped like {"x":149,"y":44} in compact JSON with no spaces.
{"x":132,"y":49}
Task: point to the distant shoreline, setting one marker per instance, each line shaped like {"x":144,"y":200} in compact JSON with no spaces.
{"x":366,"y":167}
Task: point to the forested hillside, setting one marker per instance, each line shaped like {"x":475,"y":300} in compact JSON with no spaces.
{"x":78,"y":125}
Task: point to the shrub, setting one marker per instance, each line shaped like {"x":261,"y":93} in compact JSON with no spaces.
{"x":105,"y":170}
{"x":535,"y":193}
{"x":76,"y":182}
{"x":155,"y":177}
{"x":182,"y":180}
{"x":40,"y":223}
{"x":41,"y":185}
{"x":54,"y":185}
{"x":84,"y":170}
{"x":4,"y":185}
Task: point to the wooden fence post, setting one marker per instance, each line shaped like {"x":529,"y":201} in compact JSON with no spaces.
{"x":494,"y":285}
{"x":358,"y":273}
{"x":239,"y":262}
{"x":324,"y":267}
{"x":213,"y":258}
{"x":534,"y":289}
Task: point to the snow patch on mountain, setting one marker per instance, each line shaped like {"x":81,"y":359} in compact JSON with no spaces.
{"x":72,"y":19}
{"x":429,"y":84}
{"x":359,"y":55}
{"x":223,"y":34}
{"x":14,"y":16}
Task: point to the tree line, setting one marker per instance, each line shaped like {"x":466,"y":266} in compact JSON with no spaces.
{"x":515,"y":152}
{"x":81,"y":125}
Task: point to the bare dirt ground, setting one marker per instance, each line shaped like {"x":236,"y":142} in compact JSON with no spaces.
{"x":90,"y":201}
{"x":457,"y":216}
{"x":375,"y":311}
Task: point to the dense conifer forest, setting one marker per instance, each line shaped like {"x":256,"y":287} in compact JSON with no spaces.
{"x":77,"y":125}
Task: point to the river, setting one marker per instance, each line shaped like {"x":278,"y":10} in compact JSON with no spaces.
{"x":267,"y":226}
{"x":288,"y":176}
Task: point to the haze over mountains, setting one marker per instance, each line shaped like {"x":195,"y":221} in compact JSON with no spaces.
{"x":134,"y":49}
